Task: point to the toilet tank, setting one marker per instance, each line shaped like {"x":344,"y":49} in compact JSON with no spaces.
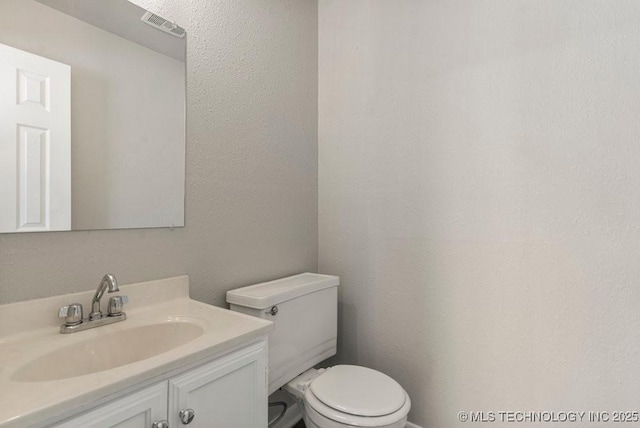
{"x":304,"y":310}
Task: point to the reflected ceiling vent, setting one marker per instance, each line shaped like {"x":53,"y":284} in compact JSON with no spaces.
{"x":162,"y":24}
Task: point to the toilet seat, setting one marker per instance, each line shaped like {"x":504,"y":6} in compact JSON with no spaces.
{"x":358,"y":390}
{"x":356,"y":396}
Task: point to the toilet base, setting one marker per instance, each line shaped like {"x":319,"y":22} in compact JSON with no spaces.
{"x":292,"y":416}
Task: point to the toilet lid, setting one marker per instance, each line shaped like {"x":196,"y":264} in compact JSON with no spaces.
{"x":358,"y":391}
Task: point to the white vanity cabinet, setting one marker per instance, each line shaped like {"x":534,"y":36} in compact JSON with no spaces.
{"x":229,"y":391}
{"x":136,"y":410}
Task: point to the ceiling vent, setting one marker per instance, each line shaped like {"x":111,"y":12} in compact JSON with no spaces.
{"x":162,"y":24}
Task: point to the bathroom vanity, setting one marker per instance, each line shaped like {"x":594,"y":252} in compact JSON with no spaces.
{"x":173,"y":362}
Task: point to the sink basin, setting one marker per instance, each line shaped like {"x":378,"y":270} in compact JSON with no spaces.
{"x":108,"y":351}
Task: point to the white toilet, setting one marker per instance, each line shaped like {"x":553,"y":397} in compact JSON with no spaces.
{"x":304,"y":310}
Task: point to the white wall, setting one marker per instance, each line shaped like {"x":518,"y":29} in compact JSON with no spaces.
{"x":127,"y":118}
{"x":479,"y":173}
{"x":251,"y":206}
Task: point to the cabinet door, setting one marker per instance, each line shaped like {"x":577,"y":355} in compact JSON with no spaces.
{"x":230,"y":392}
{"x":138,"y":410}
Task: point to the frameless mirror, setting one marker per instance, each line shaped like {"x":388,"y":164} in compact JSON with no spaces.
{"x":92,"y":116}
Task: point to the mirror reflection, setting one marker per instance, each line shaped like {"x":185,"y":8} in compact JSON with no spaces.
{"x":92,"y":116}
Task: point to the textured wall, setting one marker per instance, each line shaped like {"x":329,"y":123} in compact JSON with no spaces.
{"x":479,"y":173}
{"x":251,"y":206}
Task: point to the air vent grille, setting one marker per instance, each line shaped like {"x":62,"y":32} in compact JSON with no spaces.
{"x":178,"y":31}
{"x":162,"y":24}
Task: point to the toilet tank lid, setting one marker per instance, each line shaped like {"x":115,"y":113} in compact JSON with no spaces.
{"x":268,"y":294}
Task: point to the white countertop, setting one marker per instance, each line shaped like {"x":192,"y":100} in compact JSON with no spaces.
{"x":29,"y":403}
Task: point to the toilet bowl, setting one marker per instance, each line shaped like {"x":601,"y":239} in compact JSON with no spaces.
{"x":350,"y":396}
{"x":303,"y":309}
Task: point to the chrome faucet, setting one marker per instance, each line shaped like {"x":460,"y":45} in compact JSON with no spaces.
{"x":107,"y":281}
{"x":73,"y":313}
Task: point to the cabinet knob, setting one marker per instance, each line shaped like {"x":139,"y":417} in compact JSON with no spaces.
{"x":160,"y":424}
{"x":186,"y":416}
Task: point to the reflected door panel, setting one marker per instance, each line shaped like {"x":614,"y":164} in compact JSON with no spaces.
{"x":35,"y":143}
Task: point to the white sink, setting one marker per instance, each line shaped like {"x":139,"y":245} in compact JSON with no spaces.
{"x":108,"y":351}
{"x":45,"y":374}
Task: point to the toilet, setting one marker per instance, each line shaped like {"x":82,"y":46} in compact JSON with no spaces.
{"x":304,"y":310}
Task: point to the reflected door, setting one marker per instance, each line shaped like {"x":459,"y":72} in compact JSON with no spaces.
{"x":35,"y":142}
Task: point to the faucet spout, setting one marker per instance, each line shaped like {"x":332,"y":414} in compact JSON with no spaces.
{"x":108,"y":282}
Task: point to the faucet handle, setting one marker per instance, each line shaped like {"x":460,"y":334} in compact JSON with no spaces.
{"x":72,"y":314}
{"x":116,"y":304}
